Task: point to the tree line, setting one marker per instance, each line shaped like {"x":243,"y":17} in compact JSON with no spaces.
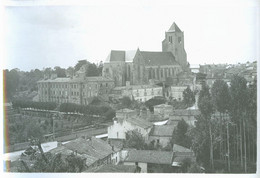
{"x":33,"y":104}
{"x":18,"y":81}
{"x":224,"y":135}
{"x":104,"y":111}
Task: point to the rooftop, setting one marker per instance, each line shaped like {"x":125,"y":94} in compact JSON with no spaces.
{"x":140,"y":122}
{"x":153,"y":58}
{"x":109,"y":168}
{"x":149,"y":156}
{"x":87,"y":79}
{"x":162,"y":130}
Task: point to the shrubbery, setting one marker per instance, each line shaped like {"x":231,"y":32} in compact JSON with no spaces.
{"x":104,"y":111}
{"x":35,"y":105}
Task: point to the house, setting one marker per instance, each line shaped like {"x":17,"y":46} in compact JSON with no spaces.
{"x":176,"y":92}
{"x":120,"y":127}
{"x":125,"y":113}
{"x":189,"y":116}
{"x":94,"y":151}
{"x":180,"y":155}
{"x":163,"y":110}
{"x":161,"y":134}
{"x":150,"y":161}
{"x":140,"y":93}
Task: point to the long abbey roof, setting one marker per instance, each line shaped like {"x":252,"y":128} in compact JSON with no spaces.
{"x":151,"y":58}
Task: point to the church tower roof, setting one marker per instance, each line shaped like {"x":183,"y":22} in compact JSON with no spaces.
{"x":174,"y":28}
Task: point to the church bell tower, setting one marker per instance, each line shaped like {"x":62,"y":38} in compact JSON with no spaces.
{"x":174,"y":43}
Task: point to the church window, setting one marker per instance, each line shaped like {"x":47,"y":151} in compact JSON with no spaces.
{"x":170,"y":39}
{"x":179,"y":39}
{"x":161,"y":73}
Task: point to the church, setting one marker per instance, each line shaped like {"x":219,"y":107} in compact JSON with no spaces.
{"x":138,"y":67}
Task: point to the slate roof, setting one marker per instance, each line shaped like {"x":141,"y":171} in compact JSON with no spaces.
{"x":140,"y":122}
{"x":149,"y":156}
{"x":116,"y":55}
{"x":162,"y":130}
{"x":153,"y":58}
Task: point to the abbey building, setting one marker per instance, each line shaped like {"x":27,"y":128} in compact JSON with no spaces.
{"x":139,"y":67}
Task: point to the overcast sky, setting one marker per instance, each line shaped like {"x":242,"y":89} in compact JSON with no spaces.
{"x":47,"y":36}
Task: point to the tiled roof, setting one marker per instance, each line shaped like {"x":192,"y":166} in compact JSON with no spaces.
{"x":180,"y":153}
{"x":162,"y":130}
{"x":93,"y":149}
{"x":113,"y":168}
{"x":158,"y":58}
{"x":140,"y":122}
{"x":179,"y":148}
{"x":149,"y":156}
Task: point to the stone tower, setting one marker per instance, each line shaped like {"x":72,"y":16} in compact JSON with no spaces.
{"x":174,"y":42}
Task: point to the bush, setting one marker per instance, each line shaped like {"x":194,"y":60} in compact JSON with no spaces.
{"x":36,"y":105}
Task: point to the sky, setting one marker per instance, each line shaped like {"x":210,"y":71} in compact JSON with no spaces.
{"x":41,"y":34}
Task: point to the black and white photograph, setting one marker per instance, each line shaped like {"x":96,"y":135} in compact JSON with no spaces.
{"x":139,"y":86}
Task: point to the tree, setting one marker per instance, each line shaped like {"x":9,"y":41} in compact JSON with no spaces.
{"x":239,"y":100}
{"x":134,"y":139}
{"x":154,"y":101}
{"x":206,"y":109}
{"x":221,"y":103}
{"x":11,"y":79}
{"x":80,"y":64}
{"x":126,"y":102}
{"x":180,"y":136}
{"x":188,"y":97}
{"x":60,"y":71}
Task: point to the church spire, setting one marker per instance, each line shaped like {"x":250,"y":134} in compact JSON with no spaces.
{"x":174,"y":28}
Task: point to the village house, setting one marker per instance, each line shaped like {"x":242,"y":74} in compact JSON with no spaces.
{"x":164,"y":110}
{"x":150,"y":161}
{"x":121,"y":126}
{"x":180,"y":155}
{"x":161,"y":134}
{"x":189,"y":116}
{"x":140,"y":93}
{"x":94,"y":151}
